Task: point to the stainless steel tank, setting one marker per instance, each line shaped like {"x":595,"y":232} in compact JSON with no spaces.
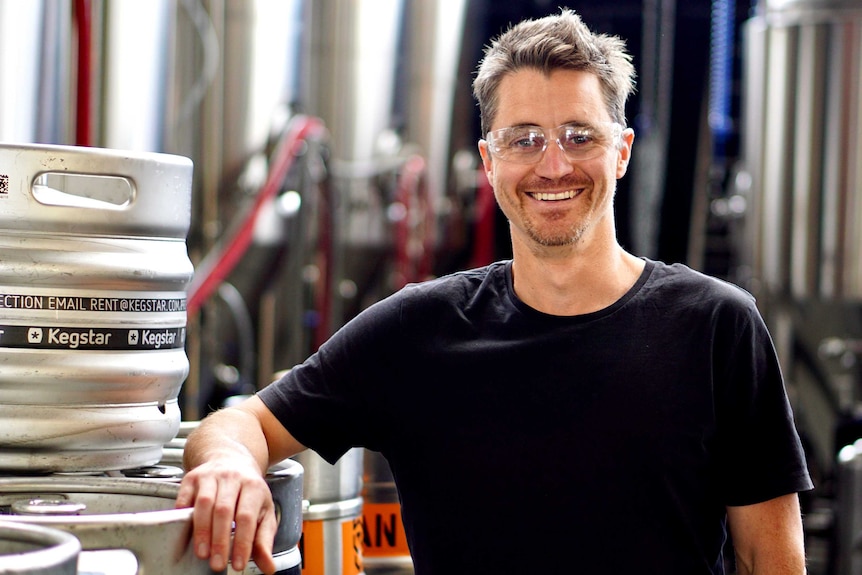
{"x":34,"y":550}
{"x":847,"y":553}
{"x":117,"y":521}
{"x":801,"y":146}
{"x":93,"y":275}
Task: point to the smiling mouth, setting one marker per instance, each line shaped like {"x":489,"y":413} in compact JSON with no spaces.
{"x":554,"y":196}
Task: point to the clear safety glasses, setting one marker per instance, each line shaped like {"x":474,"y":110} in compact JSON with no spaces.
{"x":526,"y":144}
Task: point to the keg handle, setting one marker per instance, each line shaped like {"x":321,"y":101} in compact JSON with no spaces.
{"x":78,"y":190}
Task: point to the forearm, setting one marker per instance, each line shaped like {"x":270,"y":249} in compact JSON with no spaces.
{"x":768,"y":537}
{"x":230,"y":432}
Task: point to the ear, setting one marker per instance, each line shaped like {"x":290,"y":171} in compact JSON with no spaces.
{"x":627,"y":138}
{"x":486,"y":159}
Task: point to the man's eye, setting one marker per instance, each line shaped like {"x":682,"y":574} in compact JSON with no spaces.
{"x":577,"y":139}
{"x":526,"y":141}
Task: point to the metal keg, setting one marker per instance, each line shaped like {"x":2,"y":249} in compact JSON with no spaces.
{"x":125,"y":526}
{"x":92,"y":305}
{"x":328,"y":502}
{"x":385,"y":550}
{"x":285,"y":480}
{"x":33,"y":550}
{"x":332,"y":538}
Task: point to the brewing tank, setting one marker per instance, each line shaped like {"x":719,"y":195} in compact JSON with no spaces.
{"x":801,"y":146}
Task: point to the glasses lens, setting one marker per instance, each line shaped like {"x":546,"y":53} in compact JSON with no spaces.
{"x":581,"y":143}
{"x":520,"y":144}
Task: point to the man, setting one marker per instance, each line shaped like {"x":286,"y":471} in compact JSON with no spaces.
{"x":575,"y":410}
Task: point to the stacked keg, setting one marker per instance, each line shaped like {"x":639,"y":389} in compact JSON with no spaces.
{"x":92,"y":347}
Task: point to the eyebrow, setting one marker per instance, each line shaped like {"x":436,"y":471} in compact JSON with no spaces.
{"x":574,"y":123}
{"x":581,"y":124}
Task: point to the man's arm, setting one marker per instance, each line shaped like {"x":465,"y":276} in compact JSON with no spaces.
{"x":768,"y":537}
{"x":225,"y":460}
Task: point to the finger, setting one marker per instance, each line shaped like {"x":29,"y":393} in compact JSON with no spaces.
{"x":204,"y":498}
{"x":223,"y":510}
{"x":255,"y":503}
{"x":186,"y":493}
{"x":263,"y":543}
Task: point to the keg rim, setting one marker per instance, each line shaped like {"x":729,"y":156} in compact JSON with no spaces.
{"x":101,"y":485}
{"x":62,"y":546}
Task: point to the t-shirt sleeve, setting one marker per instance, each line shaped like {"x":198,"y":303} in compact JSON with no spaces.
{"x":762,"y":456}
{"x":327,"y":402}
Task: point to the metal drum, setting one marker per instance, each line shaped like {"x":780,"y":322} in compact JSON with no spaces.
{"x":385,"y":550}
{"x":92,"y":305}
{"x":125,"y":526}
{"x":332,"y":538}
{"x":33,"y":550}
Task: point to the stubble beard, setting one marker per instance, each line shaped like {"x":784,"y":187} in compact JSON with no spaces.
{"x":538,"y":232}
{"x":570,"y":238}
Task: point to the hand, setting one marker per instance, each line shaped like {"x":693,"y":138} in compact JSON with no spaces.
{"x":230,"y":495}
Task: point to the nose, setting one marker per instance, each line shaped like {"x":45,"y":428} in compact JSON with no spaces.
{"x":553,"y":164}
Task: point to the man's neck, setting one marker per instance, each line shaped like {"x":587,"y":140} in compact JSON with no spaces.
{"x":573,"y":280}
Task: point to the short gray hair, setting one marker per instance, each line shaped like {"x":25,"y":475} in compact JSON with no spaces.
{"x":555,"y":42}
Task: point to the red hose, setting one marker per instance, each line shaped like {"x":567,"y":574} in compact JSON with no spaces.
{"x":83,"y":102}
{"x":299,"y":129}
{"x":326,"y":264}
{"x":409,"y":185}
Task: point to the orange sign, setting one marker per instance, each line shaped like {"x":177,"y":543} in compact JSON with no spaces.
{"x":384,"y":530}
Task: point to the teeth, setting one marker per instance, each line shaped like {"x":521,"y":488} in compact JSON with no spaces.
{"x":567,"y":195}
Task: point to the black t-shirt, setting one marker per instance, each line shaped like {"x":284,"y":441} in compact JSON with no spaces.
{"x":522,"y":442}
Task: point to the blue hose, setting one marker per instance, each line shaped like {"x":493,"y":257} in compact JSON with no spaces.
{"x":720,"y":74}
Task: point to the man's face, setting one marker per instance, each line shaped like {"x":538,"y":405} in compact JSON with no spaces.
{"x":556,"y":201}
